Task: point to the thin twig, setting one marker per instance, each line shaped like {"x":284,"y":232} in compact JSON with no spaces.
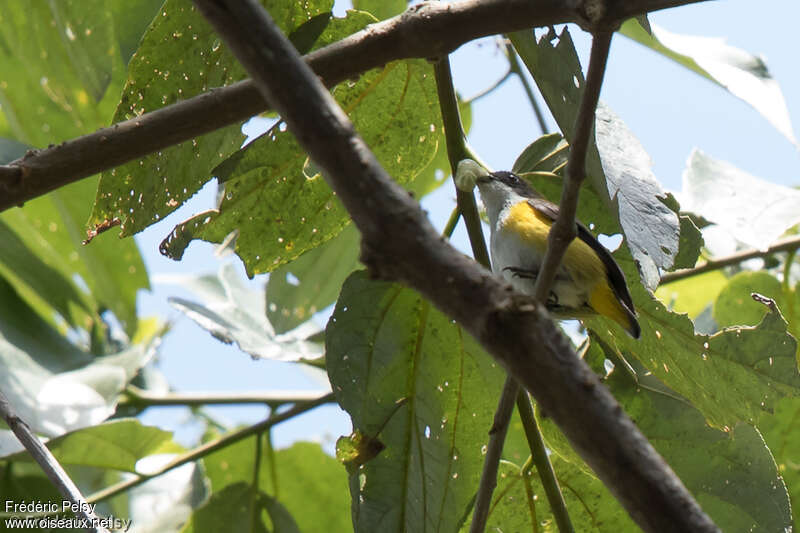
{"x":789,"y":244}
{"x":543,"y":467}
{"x":137,"y":397}
{"x":399,"y":243}
{"x":563,"y":230}
{"x":490,"y":88}
{"x":491,"y":462}
{"x":516,"y":68}
{"x":49,"y":465}
{"x":211,"y":447}
{"x":431,"y":29}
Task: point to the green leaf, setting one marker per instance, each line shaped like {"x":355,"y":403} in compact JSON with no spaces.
{"x":733,"y":376}
{"x":235,"y":508}
{"x":382,"y":9}
{"x":690,"y":245}
{"x":617,"y":166}
{"x":311,"y":282}
{"x":694,"y":294}
{"x":282,"y":521}
{"x":731,"y":473}
{"x":273,"y":192}
{"x":734,"y":306}
{"x":116,"y":445}
{"x":51,"y":228}
{"x":51,"y":383}
{"x":548,"y":153}
{"x":67,"y":66}
{"x":180,"y":56}
{"x":311,"y":485}
{"x":754,"y":211}
{"x":233,"y":312}
{"x":385,"y":343}
{"x":782,"y":434}
{"x":746,"y":76}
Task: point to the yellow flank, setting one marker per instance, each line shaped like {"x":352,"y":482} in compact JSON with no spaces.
{"x":580,"y":261}
{"x":603,"y":300}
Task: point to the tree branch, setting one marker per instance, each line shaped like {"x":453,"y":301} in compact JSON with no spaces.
{"x":789,"y":244}
{"x":431,"y":29}
{"x":211,"y":447}
{"x":399,"y":243}
{"x":49,"y":465}
{"x":137,"y":397}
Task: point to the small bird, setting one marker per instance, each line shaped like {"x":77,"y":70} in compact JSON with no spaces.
{"x":588,"y":281}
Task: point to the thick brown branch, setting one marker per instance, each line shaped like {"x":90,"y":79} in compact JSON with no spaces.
{"x":431,"y":29}
{"x":400,"y":243}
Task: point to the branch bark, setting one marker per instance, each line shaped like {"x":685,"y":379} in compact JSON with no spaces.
{"x":431,"y":29}
{"x":399,"y":243}
{"x":49,"y":465}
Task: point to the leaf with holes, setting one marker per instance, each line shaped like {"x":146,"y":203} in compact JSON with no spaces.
{"x":733,"y":376}
{"x":731,"y":473}
{"x":311,"y":282}
{"x":276,"y":198}
{"x":180,"y":56}
{"x":384,"y":344}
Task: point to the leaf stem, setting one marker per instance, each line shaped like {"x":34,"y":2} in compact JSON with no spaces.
{"x":456,"y":151}
{"x":543,"y":466}
{"x":497,"y":436}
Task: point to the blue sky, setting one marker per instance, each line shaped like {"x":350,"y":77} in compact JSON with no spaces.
{"x":670,"y":109}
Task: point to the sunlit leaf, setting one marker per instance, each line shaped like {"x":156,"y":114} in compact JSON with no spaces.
{"x":233,"y":312}
{"x":754,"y":211}
{"x":743,"y":74}
{"x":52,"y":384}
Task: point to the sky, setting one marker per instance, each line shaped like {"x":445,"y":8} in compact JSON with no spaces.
{"x":668,"y":108}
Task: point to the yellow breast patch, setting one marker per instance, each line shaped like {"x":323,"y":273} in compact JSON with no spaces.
{"x":533,"y":227}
